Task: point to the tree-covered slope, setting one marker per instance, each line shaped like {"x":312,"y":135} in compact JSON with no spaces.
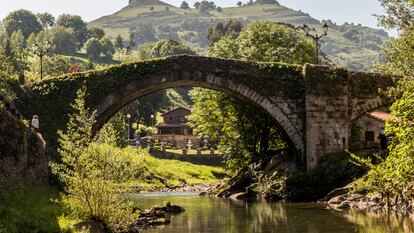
{"x":353,"y":46}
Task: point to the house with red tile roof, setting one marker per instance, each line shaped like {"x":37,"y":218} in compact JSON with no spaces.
{"x":365,"y":130}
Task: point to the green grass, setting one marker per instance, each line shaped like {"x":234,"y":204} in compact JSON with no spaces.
{"x":157,"y":173}
{"x":30,"y":209}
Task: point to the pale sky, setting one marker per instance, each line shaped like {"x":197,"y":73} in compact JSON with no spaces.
{"x":339,"y":11}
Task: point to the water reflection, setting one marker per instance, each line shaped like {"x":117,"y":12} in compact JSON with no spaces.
{"x":207,"y":215}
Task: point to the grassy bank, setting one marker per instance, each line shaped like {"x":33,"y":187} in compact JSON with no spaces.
{"x":156,"y":173}
{"x":30,"y":209}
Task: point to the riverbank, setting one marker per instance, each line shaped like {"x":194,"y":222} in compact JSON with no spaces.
{"x":372,"y":202}
{"x":201,"y":188}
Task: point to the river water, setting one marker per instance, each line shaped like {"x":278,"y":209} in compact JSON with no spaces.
{"x":213,"y":215}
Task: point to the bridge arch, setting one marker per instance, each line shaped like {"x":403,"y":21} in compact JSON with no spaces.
{"x":278,"y":89}
{"x":232,"y":81}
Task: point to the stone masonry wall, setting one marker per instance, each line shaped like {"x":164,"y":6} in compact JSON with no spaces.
{"x":327,"y":118}
{"x":23,"y":157}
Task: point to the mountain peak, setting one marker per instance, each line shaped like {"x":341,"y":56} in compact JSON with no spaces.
{"x":146,"y":2}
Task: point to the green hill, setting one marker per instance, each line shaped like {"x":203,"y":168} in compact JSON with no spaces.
{"x":353,"y":46}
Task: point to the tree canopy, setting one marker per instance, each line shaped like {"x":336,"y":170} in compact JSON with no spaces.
{"x":23,"y":20}
{"x":244,"y":132}
{"x":75,"y":23}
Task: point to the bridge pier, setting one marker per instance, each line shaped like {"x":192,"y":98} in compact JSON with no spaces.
{"x":327,"y":113}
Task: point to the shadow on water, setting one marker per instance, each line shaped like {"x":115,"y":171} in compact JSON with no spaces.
{"x":208,"y":215}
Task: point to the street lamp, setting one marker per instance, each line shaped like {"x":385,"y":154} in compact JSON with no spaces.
{"x":129,"y":126}
{"x":41,"y":52}
{"x":316,"y":37}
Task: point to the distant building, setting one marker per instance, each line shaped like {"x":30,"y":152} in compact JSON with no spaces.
{"x":369,"y":128}
{"x":175,"y":129}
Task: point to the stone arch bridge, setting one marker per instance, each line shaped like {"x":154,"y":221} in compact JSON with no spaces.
{"x":313,"y":105}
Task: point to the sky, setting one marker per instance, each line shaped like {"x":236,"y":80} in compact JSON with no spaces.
{"x":339,"y":11}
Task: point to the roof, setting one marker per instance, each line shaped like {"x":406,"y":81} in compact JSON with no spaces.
{"x":381,"y":116}
{"x":174,"y":109}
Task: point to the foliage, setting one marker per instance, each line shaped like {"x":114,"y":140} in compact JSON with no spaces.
{"x":93,"y":48}
{"x":393,"y":175}
{"x":63,"y":40}
{"x":96,"y":48}
{"x":244,"y":132}
{"x":95,"y":32}
{"x":398,"y":54}
{"x":14,"y":58}
{"x":165,"y":48}
{"x":23,"y":20}
{"x":184,"y":5}
{"x":113,"y":132}
{"x":131,"y":42}
{"x":119,"y":42}
{"x":78,"y":26}
{"x":399,"y":14}
{"x":6,"y":86}
{"x":52,"y":66}
{"x":46,"y":19}
{"x":267,"y":41}
{"x":332,"y":171}
{"x":94,"y":175}
{"x":231,"y":28}
{"x":108,"y":49}
{"x":30,"y":209}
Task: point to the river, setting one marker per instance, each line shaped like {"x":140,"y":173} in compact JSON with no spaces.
{"x":213,"y":215}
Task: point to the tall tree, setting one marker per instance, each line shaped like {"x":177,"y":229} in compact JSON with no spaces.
{"x":63,"y":40}
{"x":75,"y":23}
{"x":164,"y":48}
{"x":93,"y":48}
{"x":119,"y":42}
{"x":23,"y":20}
{"x":245,"y":132}
{"x":184,"y":5}
{"x":46,"y":19}
{"x":132,"y":42}
{"x":96,"y":32}
{"x":231,"y":28}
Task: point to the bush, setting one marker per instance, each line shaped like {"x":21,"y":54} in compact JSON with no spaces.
{"x":95,"y":176}
{"x":333,"y":171}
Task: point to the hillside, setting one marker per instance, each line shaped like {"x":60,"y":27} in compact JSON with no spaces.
{"x":353,"y":46}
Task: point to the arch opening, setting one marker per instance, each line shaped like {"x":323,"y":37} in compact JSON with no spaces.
{"x":114,"y":102}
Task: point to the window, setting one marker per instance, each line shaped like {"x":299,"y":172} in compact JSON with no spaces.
{"x":181,"y":119}
{"x":369,"y":136}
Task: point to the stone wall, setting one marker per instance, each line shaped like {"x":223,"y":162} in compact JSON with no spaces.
{"x":327,"y":118}
{"x":23,"y":157}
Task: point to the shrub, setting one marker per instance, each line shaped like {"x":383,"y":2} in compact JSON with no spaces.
{"x":95,"y":175}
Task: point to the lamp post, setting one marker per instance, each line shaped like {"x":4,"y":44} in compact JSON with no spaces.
{"x":41,"y":52}
{"x":129,"y":126}
{"x":316,"y":37}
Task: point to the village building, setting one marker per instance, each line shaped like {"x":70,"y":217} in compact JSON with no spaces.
{"x":368,"y":129}
{"x":175,"y":129}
